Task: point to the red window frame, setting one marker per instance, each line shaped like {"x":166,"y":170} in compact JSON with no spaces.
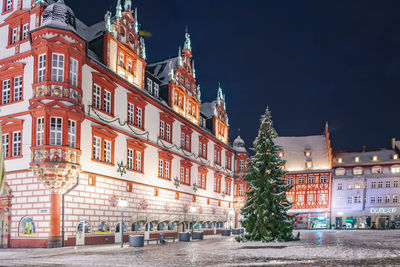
{"x":202,"y":179}
{"x":165,"y":157}
{"x":10,"y":72}
{"x":138,"y":102}
{"x":8,"y":127}
{"x":167,"y":120}
{"x":186,"y":138}
{"x":106,"y":84}
{"x":4,"y":11}
{"x":228,"y":157}
{"x":217,"y":155}
{"x":217,"y":182}
{"x":203,"y":146}
{"x":228,"y":186}
{"x":186,"y":167}
{"x":137,"y":146}
{"x":104,"y":133}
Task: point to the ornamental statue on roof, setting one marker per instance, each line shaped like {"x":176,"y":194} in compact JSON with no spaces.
{"x":128,"y":5}
{"x":188,"y":45}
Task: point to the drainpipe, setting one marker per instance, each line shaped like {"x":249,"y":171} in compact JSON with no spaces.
{"x":63,"y":212}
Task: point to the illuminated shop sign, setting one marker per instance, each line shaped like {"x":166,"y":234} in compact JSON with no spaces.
{"x":383,"y":210}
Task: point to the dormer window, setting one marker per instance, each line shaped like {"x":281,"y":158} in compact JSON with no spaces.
{"x":358,"y":171}
{"x":375,"y":158}
{"x":395,"y":169}
{"x":340,"y":171}
{"x":307,"y":153}
{"x":395,"y":156}
{"x":376,"y":169}
{"x":340,"y":160}
{"x":357,"y":159}
{"x":309,"y":164}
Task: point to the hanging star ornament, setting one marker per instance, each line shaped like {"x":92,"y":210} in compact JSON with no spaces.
{"x":121,"y":168}
{"x":195,"y":187}
{"x":176,"y":182}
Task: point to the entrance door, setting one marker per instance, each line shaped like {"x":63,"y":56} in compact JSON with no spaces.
{"x":82,"y":229}
{"x":2,"y":229}
{"x":117,"y":236}
{"x":338,"y":222}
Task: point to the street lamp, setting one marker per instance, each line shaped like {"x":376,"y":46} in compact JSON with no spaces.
{"x":123,"y":203}
{"x":192,"y":210}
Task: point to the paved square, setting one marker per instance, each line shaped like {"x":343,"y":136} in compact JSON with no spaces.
{"x":334,"y":248}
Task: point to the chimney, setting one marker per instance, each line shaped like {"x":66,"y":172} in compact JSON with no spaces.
{"x":393,"y":143}
{"x":364,"y":149}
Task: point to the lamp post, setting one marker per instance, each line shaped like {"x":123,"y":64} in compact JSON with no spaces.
{"x":123,"y":203}
{"x":192,"y":210}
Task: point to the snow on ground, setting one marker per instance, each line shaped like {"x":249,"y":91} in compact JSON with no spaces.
{"x":315,"y":248}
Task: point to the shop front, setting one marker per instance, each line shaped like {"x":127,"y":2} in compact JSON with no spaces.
{"x":372,"y":218}
{"x":314,"y":220}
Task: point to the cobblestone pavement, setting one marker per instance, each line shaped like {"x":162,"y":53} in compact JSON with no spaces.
{"x":315,"y":248}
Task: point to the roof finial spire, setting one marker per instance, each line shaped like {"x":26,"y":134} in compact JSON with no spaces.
{"x":119,"y":10}
{"x":180,"y":57}
{"x":128,"y":5}
{"x":136,"y":22}
{"x":188,"y":45}
{"x":193,"y":70}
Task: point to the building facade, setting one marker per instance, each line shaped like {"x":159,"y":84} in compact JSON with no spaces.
{"x":366,"y":188}
{"x":87,"y":122}
{"x":308,"y":167}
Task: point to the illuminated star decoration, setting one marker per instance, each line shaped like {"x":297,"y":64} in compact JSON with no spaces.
{"x":176,"y":182}
{"x":121,"y":168}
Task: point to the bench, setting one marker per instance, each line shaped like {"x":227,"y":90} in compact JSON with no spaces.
{"x":152,"y":239}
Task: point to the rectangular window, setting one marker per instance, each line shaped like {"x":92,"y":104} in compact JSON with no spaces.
{"x":107,"y":101}
{"x":357,"y":199}
{"x":217,"y":184}
{"x":17,"y":88}
{"x":8,"y":5}
{"x":156,"y":89}
{"x":396,"y":183}
{"x":107,"y":151}
{"x":323,"y":179}
{"x":350,"y":186}
{"x":168,"y":133}
{"x":339,"y":186}
{"x":71,"y":133}
{"x":387,"y":184}
{"x":187,"y":176}
{"x":139,"y":117}
{"x":387,"y":199}
{"x":150,"y":86}
{"x":395,"y":199}
{"x":290,"y":180}
{"x":301,"y":180}
{"x":379,"y":200}
{"x":16,"y":144}
{"x":73,"y":71}
{"x":166,"y":170}
{"x":162,"y":136}
{"x":322,"y":197}
{"x":311,"y":179}
{"x":39,"y":131}
{"x":289,"y":198}
{"x":300,"y":198}
{"x":380,"y":184}
{"x":130,"y":70}
{"x":139,"y":162}
{"x":130,"y":159}
{"x":131,"y":113}
{"x":373,"y":184}
{"x":57,"y":68}
{"x":240,"y":190}
{"x":41,"y":68}
{"x":160,"y":168}
{"x":55,"y":131}
{"x":358,"y":185}
{"x":372,"y":200}
{"x":6,"y":92}
{"x":349,"y":200}
{"x":25,"y":30}
{"x":310,"y":197}
{"x":121,"y":60}
{"x":96,"y":148}
{"x":5,"y":140}
{"x":228,"y":188}
{"x":14,"y":36}
{"x":97,"y":96}
{"x":241,"y":165}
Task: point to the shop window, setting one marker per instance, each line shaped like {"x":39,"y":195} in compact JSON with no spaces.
{"x":135,"y":155}
{"x":164,"y":165}
{"x":88,"y":227}
{"x":185,"y":172}
{"x":166,"y":122}
{"x":117,"y":226}
{"x":203,"y":147}
{"x":103,"y":144}
{"x":27,"y":227}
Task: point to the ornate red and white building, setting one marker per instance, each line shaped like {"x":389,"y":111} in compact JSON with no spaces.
{"x":86,"y":121}
{"x":309,"y":170}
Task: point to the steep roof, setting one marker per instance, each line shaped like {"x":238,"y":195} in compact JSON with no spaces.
{"x":239,"y":145}
{"x":384,"y":155}
{"x":162,"y":69}
{"x":294,"y":152}
{"x":208,"y":108}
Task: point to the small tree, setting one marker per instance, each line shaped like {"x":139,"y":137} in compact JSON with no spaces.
{"x":265,"y":215}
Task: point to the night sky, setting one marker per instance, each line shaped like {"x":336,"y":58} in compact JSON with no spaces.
{"x":310,"y":61}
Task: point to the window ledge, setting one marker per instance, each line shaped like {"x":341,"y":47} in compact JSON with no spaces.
{"x":103,"y":162}
{"x":160,"y":177}
{"x":137,"y":127}
{"x":102,"y":111}
{"x":16,"y":157}
{"x":7,"y":12}
{"x":17,"y":43}
{"x":14,"y":102}
{"x":131,"y":170}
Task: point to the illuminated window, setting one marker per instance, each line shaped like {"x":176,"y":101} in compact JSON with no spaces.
{"x":290,"y":180}
{"x":357,"y":171}
{"x":350,"y":186}
{"x":374,"y":158}
{"x":340,"y":160}
{"x":130,"y":70}
{"x":57,"y":68}
{"x":307,"y":153}
{"x":301,"y":180}
{"x":358,"y":185}
{"x":340,"y":171}
{"x":309,"y":164}
{"x":300,"y":198}
{"x":376,"y":170}
{"x":357,"y":159}
{"x":281,"y":154}
{"x":41,"y":67}
{"x":395,"y":169}
{"x":395,"y":156}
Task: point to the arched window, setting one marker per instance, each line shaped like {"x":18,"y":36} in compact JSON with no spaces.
{"x":203,"y":225}
{"x":160,"y":226}
{"x":117,"y":227}
{"x":149,"y":226}
{"x":135,"y":226}
{"x":88,"y":227}
{"x":210,"y":226}
{"x":196,"y":226}
{"x":104,"y":228}
{"x":27,"y":227}
{"x":171,"y":226}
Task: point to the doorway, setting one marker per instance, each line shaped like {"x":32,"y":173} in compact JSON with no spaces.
{"x":3,"y":230}
{"x":82,"y":229}
{"x":117,"y":236}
